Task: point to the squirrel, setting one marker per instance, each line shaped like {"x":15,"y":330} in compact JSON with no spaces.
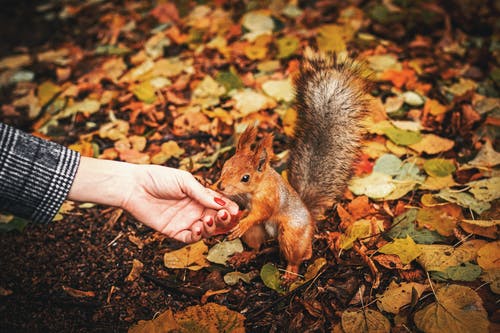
{"x":331,"y":99}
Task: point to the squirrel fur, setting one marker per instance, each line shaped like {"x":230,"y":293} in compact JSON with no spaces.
{"x":331,"y":100}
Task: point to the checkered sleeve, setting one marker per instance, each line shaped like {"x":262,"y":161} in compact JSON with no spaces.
{"x":35,"y":174}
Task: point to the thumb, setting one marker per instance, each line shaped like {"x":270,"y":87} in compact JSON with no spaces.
{"x":205,"y":196}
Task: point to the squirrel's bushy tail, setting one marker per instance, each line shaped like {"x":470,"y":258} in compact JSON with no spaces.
{"x":331,"y":100}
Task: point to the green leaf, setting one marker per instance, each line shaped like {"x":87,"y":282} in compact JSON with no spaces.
{"x":464,"y":199}
{"x":402,"y":137}
{"x":271,"y":277}
{"x":439,"y":167}
{"x":404,"y":225}
{"x":464,"y":272}
{"x":404,"y":248}
{"x":388,"y":164}
{"x":229,"y":80}
{"x":11,"y":222}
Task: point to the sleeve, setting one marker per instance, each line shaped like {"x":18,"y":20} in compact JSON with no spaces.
{"x":35,"y":174}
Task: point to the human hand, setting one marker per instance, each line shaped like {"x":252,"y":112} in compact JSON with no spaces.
{"x":173,"y":202}
{"x":168,"y":200}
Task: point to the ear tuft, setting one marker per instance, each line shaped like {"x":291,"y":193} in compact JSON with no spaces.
{"x":264,"y":152}
{"x":247,"y":138}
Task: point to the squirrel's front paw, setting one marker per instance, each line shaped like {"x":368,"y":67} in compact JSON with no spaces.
{"x":236,"y":232}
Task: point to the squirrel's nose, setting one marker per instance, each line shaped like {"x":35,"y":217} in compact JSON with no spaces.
{"x":219,"y":186}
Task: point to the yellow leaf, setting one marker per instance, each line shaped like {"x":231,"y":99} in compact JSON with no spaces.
{"x":46,"y":91}
{"x":439,"y":257}
{"x":432,"y":144}
{"x":333,"y":37}
{"x":289,"y":120}
{"x":404,"y":248}
{"x":443,"y":218}
{"x":209,"y":318}
{"x":398,"y":295}
{"x":191,"y":257}
{"x":457,"y":309}
{"x":438,"y":183}
{"x":488,"y":257}
{"x":366,"y":321}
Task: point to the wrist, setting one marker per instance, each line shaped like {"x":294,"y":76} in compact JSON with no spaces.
{"x":103,"y":182}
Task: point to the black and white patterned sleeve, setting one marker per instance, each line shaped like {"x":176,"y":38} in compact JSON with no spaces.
{"x":35,"y":174}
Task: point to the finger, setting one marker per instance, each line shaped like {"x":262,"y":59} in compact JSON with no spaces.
{"x":187,"y":236}
{"x":205,"y":196}
{"x":209,"y":223}
{"x":223,"y":218}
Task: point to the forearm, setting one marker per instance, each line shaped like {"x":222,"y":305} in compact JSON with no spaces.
{"x":103,"y":182}
{"x":35,"y":174}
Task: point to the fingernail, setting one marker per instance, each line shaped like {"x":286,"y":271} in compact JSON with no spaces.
{"x":219,"y":201}
{"x":210,"y":222}
{"x":224,"y":215}
{"x":198,"y":232}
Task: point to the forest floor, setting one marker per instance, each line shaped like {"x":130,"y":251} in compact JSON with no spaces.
{"x":170,"y":83}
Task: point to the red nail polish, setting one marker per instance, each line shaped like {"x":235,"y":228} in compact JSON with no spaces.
{"x":198,"y":232}
{"x":210,"y":222}
{"x":224,"y":215}
{"x":219,"y":201}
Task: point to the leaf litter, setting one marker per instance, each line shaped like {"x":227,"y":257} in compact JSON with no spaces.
{"x":171,"y":83}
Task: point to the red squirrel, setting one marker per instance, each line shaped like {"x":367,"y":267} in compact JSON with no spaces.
{"x":331,"y":100}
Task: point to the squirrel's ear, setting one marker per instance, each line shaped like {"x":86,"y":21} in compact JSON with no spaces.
{"x":247,"y":138}
{"x":264,"y":152}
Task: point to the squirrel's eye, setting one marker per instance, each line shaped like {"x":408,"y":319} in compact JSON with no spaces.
{"x":245,"y":178}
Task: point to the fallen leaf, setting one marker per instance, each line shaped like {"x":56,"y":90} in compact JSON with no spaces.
{"x":438,"y":183}
{"x":486,"y":158}
{"x":15,"y":61}
{"x":432,"y":144}
{"x":136,"y":270}
{"x":485,"y":228}
{"x":404,"y":225}
{"x":280,"y":90}
{"x":210,"y":318}
{"x":271,"y":277}
{"x":398,"y":295}
{"x":485,"y":189}
{"x":388,"y":164}
{"x":221,"y":252}
{"x":488,"y":256}
{"x":249,"y":101}
{"x":412,"y":98}
{"x":439,"y":257}
{"x":257,"y":23}
{"x":376,"y":185}
{"x":435,"y":108}
{"x":402,"y":137}
{"x":457,"y":309}
{"x":367,"y":320}
{"x":492,"y":276}
{"x":46,"y":91}
{"x":442,"y":218}
{"x":404,"y":248}
{"x":439,"y":167}
{"x":78,"y":293}
{"x":463,"y":199}
{"x":287,"y":46}
{"x":333,"y":37}
{"x":191,"y":257}
{"x":461,"y":87}
{"x":312,"y":271}
{"x":232,"y":278}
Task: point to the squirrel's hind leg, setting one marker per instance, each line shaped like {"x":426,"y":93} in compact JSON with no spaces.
{"x":296,"y":246}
